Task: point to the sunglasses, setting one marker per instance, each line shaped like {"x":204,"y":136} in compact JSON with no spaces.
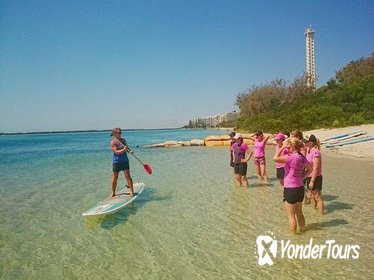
{"x":118,"y":132}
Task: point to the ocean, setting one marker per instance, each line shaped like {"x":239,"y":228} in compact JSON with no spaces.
{"x":191,"y":222}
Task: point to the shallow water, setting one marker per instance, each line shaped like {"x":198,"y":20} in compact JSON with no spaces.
{"x":189,"y":223}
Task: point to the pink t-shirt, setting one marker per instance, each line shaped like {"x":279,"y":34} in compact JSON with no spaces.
{"x":315,"y":153}
{"x":284,"y":152}
{"x":239,"y":151}
{"x":293,"y":171}
{"x":259,"y":148}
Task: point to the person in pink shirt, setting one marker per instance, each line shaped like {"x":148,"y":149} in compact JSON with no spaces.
{"x":279,"y":138}
{"x":299,"y":135}
{"x":241,"y":155}
{"x":296,"y":169}
{"x":259,"y":155}
{"x":314,"y":181}
{"x":232,"y":142}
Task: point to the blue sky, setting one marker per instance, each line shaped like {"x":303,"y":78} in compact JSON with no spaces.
{"x":70,"y":65}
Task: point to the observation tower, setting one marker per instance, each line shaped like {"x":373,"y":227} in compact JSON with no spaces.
{"x":310,"y":57}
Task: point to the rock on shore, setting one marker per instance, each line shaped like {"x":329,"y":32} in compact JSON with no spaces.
{"x":362,"y":150}
{"x":209,"y":141}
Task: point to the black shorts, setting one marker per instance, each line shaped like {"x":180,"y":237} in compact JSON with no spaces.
{"x":117,"y":167}
{"x":293,"y":195}
{"x":317,"y":186}
{"x":280,"y":173}
{"x":241,"y":168}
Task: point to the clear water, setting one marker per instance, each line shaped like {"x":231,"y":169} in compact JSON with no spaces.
{"x":190,"y":222}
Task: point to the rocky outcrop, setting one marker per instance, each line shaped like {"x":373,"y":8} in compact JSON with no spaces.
{"x":209,"y":141}
{"x":197,"y":142}
{"x":177,"y":144}
{"x":224,"y":140}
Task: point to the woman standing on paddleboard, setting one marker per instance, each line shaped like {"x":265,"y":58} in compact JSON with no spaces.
{"x":120,"y":160}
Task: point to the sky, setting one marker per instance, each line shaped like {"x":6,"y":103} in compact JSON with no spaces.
{"x":77,"y":65}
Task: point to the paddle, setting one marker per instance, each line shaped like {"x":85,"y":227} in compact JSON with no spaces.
{"x":145,"y":165}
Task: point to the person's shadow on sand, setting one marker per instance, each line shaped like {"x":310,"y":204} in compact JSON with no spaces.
{"x":336,"y":205}
{"x":320,"y":226}
{"x":329,"y":197}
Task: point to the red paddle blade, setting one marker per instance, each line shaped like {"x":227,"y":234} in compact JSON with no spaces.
{"x":148,"y":169}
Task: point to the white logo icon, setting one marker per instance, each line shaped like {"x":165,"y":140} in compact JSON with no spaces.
{"x":266,"y":249}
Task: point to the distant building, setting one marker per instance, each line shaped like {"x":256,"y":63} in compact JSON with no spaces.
{"x":310,"y":57}
{"x":213,"y":121}
{"x":231,"y":117}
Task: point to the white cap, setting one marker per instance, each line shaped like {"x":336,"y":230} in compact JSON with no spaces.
{"x":237,"y":136}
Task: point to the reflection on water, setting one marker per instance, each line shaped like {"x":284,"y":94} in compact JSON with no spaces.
{"x":191,"y":222}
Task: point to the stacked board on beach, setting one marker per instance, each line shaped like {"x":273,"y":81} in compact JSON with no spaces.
{"x":336,"y":139}
{"x":346,"y":139}
{"x":116,"y":203}
{"x":350,"y":141}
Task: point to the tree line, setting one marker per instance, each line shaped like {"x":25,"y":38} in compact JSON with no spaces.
{"x":347,"y":99}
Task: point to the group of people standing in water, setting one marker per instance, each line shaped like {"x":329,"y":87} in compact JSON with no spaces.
{"x":298,"y":164}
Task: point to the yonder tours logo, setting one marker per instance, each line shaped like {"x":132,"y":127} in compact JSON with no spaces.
{"x":269,"y":248}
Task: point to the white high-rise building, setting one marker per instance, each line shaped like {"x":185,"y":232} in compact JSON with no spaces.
{"x":310,"y":57}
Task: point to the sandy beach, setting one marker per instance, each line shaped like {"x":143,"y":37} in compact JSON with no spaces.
{"x":359,"y":150}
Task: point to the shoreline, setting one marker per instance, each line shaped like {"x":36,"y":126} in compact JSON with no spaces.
{"x":362,"y":150}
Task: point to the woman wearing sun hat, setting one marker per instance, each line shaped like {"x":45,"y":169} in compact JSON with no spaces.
{"x":314,"y":181}
{"x":241,"y":154}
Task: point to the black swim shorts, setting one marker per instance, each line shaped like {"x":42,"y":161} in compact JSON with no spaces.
{"x":293,"y":195}
{"x":317,"y":186}
{"x":241,"y":168}
{"x":117,"y":167}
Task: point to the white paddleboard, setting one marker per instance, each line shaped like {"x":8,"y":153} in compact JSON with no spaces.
{"x":116,"y":203}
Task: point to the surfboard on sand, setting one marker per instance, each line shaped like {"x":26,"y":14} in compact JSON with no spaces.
{"x":343,"y":137}
{"x":349,"y":142}
{"x":114,"y":204}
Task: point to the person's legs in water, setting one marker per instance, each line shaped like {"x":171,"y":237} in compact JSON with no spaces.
{"x":129,"y":181}
{"x":114,"y":183}
{"x":299,"y":215}
{"x":263,"y":173}
{"x":258,"y":170}
{"x":291,"y":214}
{"x":319,"y":202}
